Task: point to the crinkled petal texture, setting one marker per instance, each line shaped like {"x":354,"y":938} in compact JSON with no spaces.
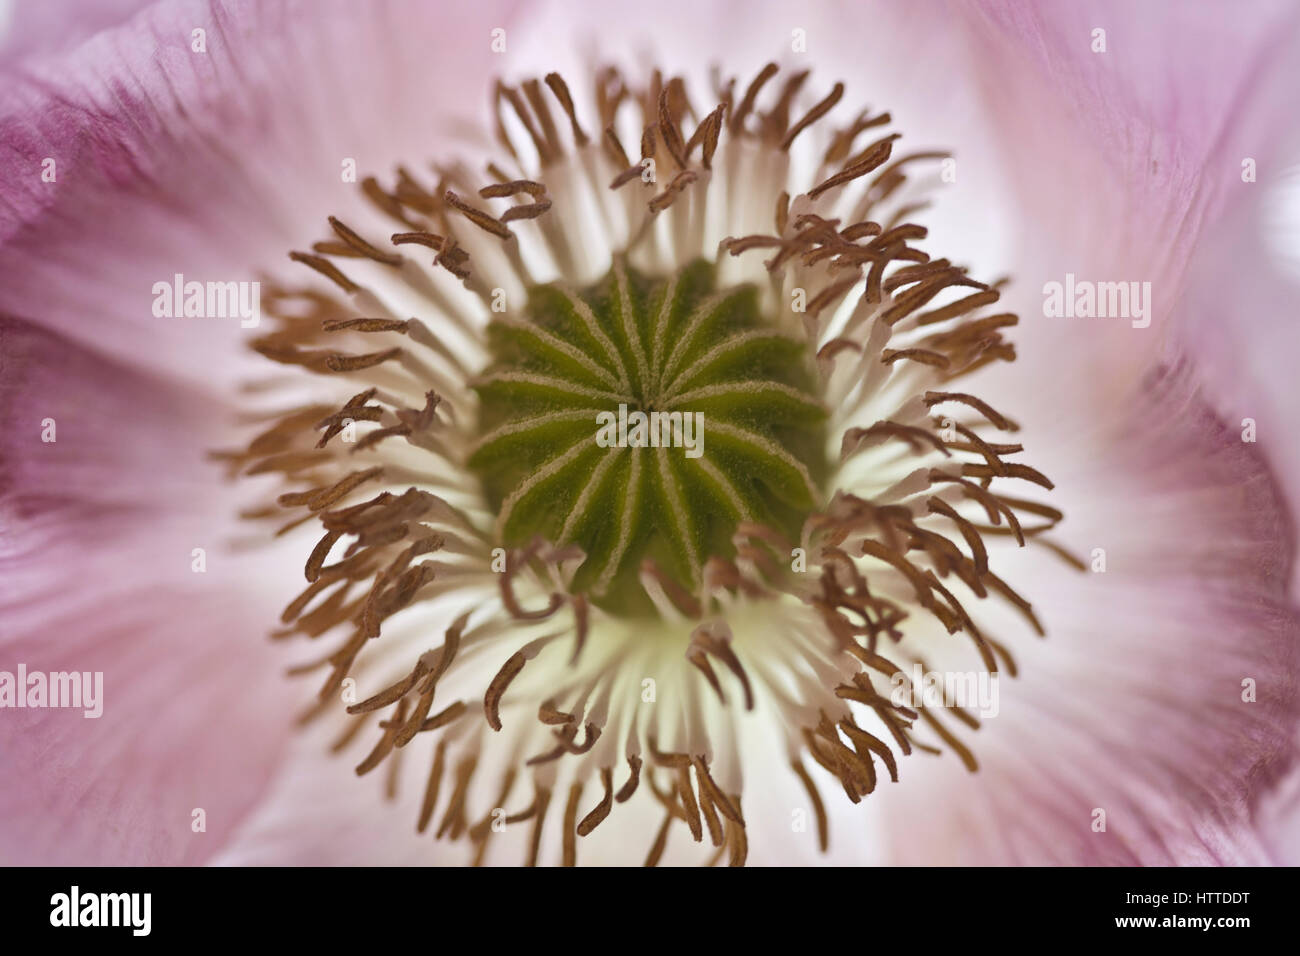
{"x":1113,"y":166}
{"x":1151,"y":139}
{"x":1148,"y":725}
{"x":1187,"y":123}
{"x":145,"y":151}
{"x":113,"y":564}
{"x":55,"y":26}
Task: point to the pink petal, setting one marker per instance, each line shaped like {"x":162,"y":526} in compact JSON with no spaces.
{"x":213,"y":165}
{"x":96,"y":564}
{"x":55,"y":26}
{"x":1141,"y":150}
{"x":1133,"y":703}
{"x":1178,"y":92}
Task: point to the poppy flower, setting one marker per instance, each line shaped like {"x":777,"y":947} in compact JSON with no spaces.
{"x":654,"y":448}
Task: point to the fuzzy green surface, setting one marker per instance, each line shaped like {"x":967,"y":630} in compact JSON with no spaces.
{"x":674,"y":344}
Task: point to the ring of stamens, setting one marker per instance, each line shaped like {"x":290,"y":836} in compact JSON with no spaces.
{"x":805,"y":619}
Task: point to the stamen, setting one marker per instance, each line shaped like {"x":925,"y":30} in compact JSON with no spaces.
{"x":325,"y":268}
{"x":601,"y":811}
{"x":751,"y":94}
{"x":478,"y":217}
{"x":361,"y":247}
{"x":871,"y":158}
{"x":561,"y":91}
{"x":823,"y":829}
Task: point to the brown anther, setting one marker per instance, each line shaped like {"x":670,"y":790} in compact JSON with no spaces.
{"x":385,"y":745}
{"x":325,"y":268}
{"x":492,"y":699}
{"x":716,"y":796}
{"x":1010,"y":470}
{"x":319,"y":498}
{"x":449,"y":714}
{"x":319,"y":553}
{"x":356,"y":363}
{"x":715,"y":639}
{"x":365,"y":325}
{"x":865,"y":741}
{"x":871,"y":158}
{"x":540,"y":108}
{"x":540,"y":143}
{"x":432,"y":240}
{"x":615,"y":151}
{"x":527,"y":211}
{"x":998,"y":421}
{"x":751,"y":94}
{"x":669,"y":132}
{"x":360,"y":246}
{"x":842,"y":144}
{"x":706,"y":134}
{"x":916,"y":437}
{"x":737,"y":838}
{"x":972,"y":537}
{"x":568,"y":737}
{"x":513,"y":188}
{"x":560,"y":90}
{"x":674,"y":189}
{"x":601,"y":810}
{"x":547,"y":713}
{"x":813,"y":115}
{"x":516,"y":559}
{"x":924,"y":356}
{"x":393,"y":692}
{"x":628,"y":175}
{"x":777,"y":119}
{"x":686,"y":794}
{"x":478,"y":217}
{"x":625,"y":792}
{"x":384,"y":201}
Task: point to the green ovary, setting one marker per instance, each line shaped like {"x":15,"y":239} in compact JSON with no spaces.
{"x":751,"y":445}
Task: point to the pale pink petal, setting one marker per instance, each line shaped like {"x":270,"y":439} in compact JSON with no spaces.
{"x":54,"y":26}
{"x":1159,"y":160}
{"x":169,"y":161}
{"x":215,"y":164}
{"x":1135,"y":702}
{"x":97,"y":557}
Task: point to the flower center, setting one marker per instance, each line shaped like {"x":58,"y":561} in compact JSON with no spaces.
{"x":715,"y":396}
{"x":644,"y":420}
